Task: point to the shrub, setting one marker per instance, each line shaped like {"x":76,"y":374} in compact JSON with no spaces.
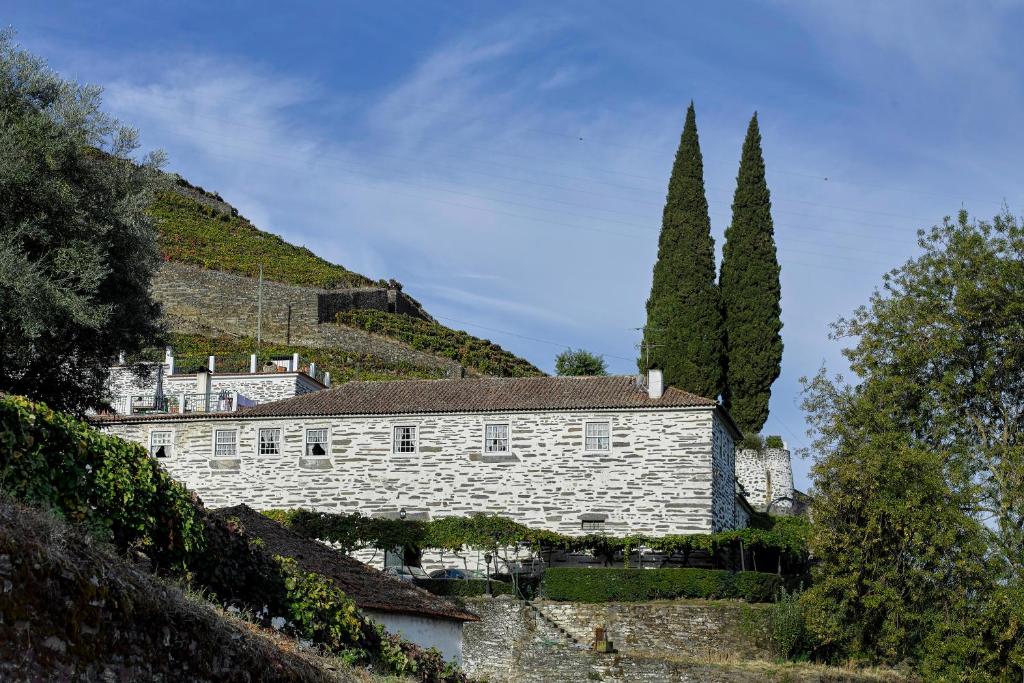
{"x":787,"y":627}
{"x":108,"y":485}
{"x":774,"y":441}
{"x":752,"y":442}
{"x":633,"y":585}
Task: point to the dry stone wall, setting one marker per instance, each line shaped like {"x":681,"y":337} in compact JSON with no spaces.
{"x":195,"y":298}
{"x":655,"y":479}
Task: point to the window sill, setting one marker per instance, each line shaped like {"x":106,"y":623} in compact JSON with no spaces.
{"x":494,"y":457}
{"x":315,"y":462}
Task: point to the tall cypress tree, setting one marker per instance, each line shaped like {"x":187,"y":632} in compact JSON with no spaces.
{"x":683,"y":335}
{"x":750,"y":293}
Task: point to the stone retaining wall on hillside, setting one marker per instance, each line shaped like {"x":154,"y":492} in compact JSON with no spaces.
{"x":194,"y":297}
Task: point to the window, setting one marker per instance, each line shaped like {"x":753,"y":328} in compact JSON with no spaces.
{"x":225,"y":443}
{"x":597,"y":436}
{"x":316,"y":442}
{"x":161,"y":444}
{"x":270,"y":442}
{"x":405,"y":439}
{"x":496,"y":438}
{"x":593,"y":525}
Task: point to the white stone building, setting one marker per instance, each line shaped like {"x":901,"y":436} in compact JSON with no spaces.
{"x":570,"y":454}
{"x":163,"y":389}
{"x":766,"y":478}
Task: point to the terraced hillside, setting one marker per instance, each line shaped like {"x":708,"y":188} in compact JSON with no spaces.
{"x":198,"y":227}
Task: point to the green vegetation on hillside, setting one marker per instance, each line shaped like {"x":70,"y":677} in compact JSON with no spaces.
{"x":114,"y":488}
{"x":192,"y":232}
{"x":191,"y":352}
{"x":481,"y":355}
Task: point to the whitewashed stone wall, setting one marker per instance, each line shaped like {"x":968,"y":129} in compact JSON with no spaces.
{"x":766,"y":475}
{"x":668,"y":471}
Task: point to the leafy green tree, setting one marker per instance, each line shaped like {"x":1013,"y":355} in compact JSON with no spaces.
{"x":751,"y":292}
{"x":683,"y":334}
{"x":76,"y":249}
{"x":919,"y":507}
{"x":579,"y":362}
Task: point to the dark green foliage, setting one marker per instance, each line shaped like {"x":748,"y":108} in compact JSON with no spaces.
{"x":751,"y":293}
{"x":577,"y":363}
{"x":636,"y":585}
{"x":76,"y":249}
{"x":787,"y":535}
{"x":774,"y":441}
{"x":481,"y":355}
{"x":192,"y":232}
{"x":108,"y":485}
{"x":751,"y":442}
{"x":684,"y":333}
{"x":787,"y":627}
{"x":919,"y":497}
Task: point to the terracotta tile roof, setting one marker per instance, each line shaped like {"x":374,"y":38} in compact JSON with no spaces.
{"x":369,"y":588}
{"x":489,"y":394}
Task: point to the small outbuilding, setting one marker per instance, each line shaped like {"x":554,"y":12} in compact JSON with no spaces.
{"x":400,"y":607}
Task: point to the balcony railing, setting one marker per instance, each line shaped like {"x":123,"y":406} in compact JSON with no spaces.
{"x":215,"y":402}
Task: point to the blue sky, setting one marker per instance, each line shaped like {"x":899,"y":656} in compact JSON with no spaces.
{"x":509,"y":163}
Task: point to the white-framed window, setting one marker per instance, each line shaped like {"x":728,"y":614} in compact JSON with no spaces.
{"x":496,"y":438}
{"x":597,"y":436}
{"x":161,"y":443}
{"x":592,"y":525}
{"x":405,"y":439}
{"x":225,"y":443}
{"x":269,"y":441}
{"x":316,"y":442}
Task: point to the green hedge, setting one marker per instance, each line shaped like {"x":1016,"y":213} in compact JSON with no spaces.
{"x":633,"y":585}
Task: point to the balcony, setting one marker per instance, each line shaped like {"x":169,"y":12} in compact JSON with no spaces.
{"x":215,"y":402}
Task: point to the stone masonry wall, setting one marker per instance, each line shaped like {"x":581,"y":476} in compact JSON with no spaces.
{"x":671,"y":641}
{"x":193,"y":297}
{"x":765,"y":475}
{"x":706,"y":629}
{"x":656,"y":479}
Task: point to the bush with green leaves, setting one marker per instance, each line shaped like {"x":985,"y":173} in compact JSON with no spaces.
{"x":579,"y":362}
{"x":636,"y":585}
{"x":112,"y":486}
{"x":482,"y":355}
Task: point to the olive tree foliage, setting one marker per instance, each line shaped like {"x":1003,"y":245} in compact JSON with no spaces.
{"x":579,"y":362}
{"x":77,"y":249}
{"x":919,"y":482}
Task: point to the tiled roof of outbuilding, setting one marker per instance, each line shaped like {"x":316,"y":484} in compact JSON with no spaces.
{"x":368,"y":587}
{"x":487,"y":394}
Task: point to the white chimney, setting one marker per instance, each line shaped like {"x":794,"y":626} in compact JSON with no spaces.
{"x":121,"y":358}
{"x":295,"y":362}
{"x":211,"y":363}
{"x":327,"y":379}
{"x":169,"y":360}
{"x":312,"y":370}
{"x":655,"y":383}
{"x":252,"y":363}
